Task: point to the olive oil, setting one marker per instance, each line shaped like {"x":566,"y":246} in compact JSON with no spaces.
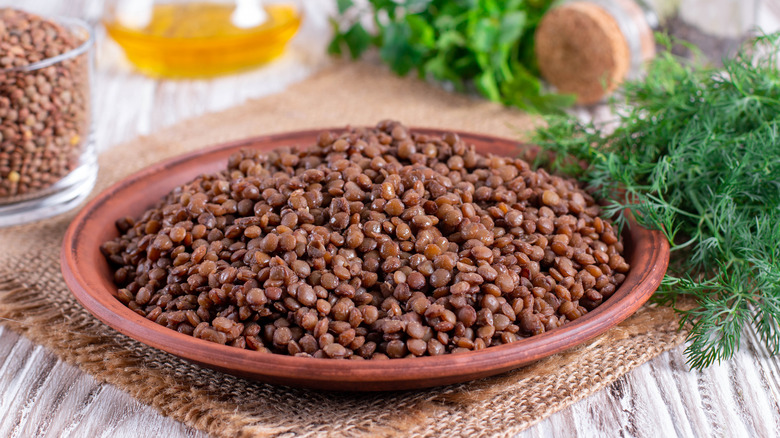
{"x":201,"y":39}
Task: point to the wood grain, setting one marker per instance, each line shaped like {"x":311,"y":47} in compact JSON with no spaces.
{"x":41,"y":396}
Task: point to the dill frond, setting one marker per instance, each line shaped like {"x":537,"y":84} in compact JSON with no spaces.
{"x":696,"y":154}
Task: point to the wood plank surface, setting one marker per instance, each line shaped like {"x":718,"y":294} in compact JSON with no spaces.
{"x":42,"y":396}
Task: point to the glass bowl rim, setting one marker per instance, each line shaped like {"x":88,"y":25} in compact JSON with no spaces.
{"x":72,"y":53}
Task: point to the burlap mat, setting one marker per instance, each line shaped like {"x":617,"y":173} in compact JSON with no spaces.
{"x":34,"y":296}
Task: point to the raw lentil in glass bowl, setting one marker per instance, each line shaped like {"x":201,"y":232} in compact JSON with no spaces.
{"x":47,"y":157}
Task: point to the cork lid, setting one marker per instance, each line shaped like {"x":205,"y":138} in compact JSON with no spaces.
{"x":581,"y":50}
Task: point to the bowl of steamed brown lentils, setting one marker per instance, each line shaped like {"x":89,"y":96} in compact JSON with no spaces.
{"x":367,"y":244}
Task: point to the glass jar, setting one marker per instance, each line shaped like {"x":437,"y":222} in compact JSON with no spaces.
{"x":202,"y":38}
{"x":47,"y":156}
{"x":589,"y":47}
{"x":636,"y":21}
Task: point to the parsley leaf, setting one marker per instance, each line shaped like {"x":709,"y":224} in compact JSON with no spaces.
{"x":484,"y":43}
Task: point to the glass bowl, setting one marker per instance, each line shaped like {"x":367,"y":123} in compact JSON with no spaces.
{"x":47,"y":154}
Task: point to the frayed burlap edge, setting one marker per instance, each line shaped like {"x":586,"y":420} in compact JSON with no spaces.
{"x":28,"y":313}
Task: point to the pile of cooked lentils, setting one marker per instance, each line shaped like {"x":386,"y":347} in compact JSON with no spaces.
{"x":373,"y":243}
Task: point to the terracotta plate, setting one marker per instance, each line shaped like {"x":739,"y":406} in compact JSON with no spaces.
{"x":87,"y":274}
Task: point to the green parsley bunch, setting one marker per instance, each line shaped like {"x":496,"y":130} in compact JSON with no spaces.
{"x":487,"y":44}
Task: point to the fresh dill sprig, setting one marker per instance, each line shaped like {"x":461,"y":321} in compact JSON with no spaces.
{"x":696,"y":154}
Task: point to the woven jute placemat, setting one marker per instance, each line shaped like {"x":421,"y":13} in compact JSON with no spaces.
{"x":35,"y":301}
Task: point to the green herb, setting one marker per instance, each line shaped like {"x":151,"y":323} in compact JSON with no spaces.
{"x":696,"y":152}
{"x":487,"y":44}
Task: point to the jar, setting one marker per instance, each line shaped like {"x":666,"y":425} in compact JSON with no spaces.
{"x":589,"y":47}
{"x":47,"y":156}
{"x":202,"y":38}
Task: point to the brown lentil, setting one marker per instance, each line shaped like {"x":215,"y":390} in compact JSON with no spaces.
{"x":44,"y":112}
{"x":428,"y":248}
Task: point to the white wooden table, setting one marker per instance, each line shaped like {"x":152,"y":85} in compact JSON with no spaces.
{"x":42,"y":396}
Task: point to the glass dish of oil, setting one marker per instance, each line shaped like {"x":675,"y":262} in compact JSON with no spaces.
{"x":204,"y":38}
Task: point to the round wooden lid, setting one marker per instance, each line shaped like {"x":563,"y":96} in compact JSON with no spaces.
{"x":581,"y":50}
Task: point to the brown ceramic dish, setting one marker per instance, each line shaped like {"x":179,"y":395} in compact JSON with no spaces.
{"x":87,"y":274}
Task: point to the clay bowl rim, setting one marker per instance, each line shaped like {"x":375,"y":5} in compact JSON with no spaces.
{"x":86,"y":277}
